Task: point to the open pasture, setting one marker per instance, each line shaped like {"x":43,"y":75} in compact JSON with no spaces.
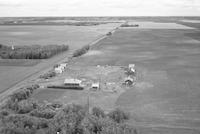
{"x":165,"y":98}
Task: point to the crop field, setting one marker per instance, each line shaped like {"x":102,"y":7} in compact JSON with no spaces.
{"x":166,"y":97}
{"x":12,"y":72}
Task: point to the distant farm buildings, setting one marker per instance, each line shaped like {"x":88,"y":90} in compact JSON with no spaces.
{"x":131,"y":75}
{"x":60,"y":68}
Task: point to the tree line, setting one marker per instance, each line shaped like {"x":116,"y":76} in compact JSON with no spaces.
{"x":31,"y":52}
{"x":21,"y":114}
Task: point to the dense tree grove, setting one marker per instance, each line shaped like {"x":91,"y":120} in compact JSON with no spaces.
{"x":31,"y":52}
{"x":81,"y":51}
{"x":23,"y":115}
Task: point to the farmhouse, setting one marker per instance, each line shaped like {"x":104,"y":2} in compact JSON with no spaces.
{"x":72,"y":82}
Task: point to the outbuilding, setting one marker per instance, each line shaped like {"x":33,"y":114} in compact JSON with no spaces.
{"x":129,"y":81}
{"x":63,"y":65}
{"x":72,"y":82}
{"x":95,"y":86}
{"x":58,"y":70}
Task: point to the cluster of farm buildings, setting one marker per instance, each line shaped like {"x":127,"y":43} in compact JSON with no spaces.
{"x":77,"y":84}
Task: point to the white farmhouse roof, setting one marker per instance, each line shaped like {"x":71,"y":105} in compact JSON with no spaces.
{"x":72,"y":81}
{"x":95,"y":85}
{"x":63,"y":64}
{"x":58,"y":70}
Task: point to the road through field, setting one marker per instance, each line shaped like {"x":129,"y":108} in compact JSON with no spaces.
{"x":166,"y":97}
{"x":13,"y":77}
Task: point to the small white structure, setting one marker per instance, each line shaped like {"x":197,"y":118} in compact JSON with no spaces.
{"x":95,"y":86}
{"x":58,"y":70}
{"x":13,"y":48}
{"x":63,"y":65}
{"x":132,"y":70}
{"x":72,"y":82}
{"x":131,"y":66}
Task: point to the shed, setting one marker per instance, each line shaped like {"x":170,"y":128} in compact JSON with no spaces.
{"x":132,"y":70}
{"x":95,"y":86}
{"x":63,"y":65}
{"x":72,"y":82}
{"x":58,"y":70}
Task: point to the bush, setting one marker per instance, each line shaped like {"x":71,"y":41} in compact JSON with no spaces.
{"x":26,"y":106}
{"x":98,"y":112}
{"x":21,"y":107}
{"x":43,"y":113}
{"x":95,"y":125}
{"x":48,"y":75}
{"x":69,"y":119}
{"x":22,"y":124}
{"x":24,"y":93}
{"x":81,"y":51}
{"x":118,"y":115}
{"x":55,"y":105}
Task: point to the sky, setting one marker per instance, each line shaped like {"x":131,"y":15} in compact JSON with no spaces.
{"x":12,"y":8}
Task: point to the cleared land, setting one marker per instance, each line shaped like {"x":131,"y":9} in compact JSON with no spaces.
{"x":165,"y":98}
{"x":75,"y":37}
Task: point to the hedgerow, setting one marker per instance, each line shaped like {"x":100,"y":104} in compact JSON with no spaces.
{"x":81,"y":51}
{"x":31,"y":52}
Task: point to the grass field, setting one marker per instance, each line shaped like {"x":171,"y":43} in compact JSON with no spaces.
{"x":75,"y":37}
{"x":165,"y":98}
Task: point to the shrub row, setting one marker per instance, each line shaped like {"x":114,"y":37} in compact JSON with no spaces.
{"x":31,"y":52}
{"x":48,"y":75}
{"x":129,"y":25}
{"x":81,"y":51}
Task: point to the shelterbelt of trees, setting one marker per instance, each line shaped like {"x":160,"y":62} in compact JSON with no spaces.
{"x":31,"y":52}
{"x":81,"y":51}
{"x":21,"y":114}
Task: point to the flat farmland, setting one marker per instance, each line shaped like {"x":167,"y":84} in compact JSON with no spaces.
{"x":166,"y":97}
{"x":12,"y":73}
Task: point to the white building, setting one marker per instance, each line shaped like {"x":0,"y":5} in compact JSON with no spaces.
{"x":63,"y":65}
{"x":58,"y":70}
{"x":95,"y":86}
{"x":72,"y":82}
